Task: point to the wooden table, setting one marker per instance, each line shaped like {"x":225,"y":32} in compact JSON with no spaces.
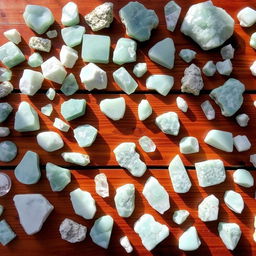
{"x":48,"y":241}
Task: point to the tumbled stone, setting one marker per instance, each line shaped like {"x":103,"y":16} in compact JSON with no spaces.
{"x":247,"y":17}
{"x":208,"y":110}
{"x":76,"y":158}
{"x":50,"y":93}
{"x":52,"y":33}
{"x":168,"y":123}
{"x":144,"y":110}
{"x":85,"y":135}
{"x":224,"y":67}
{"x":189,"y":240}
{"x":147,"y":144}
{"x":180,"y":216}
{"x":35,"y":60}
{"x":5,"y":89}
{"x":4,"y":132}
{"x":242,"y":143}
{"x":182,"y":104}
{"x":13,"y":35}
{"x":49,"y":141}
{"x":209,"y":68}
{"x":234,"y":201}
{"x":5,"y":111}
{"x":125,"y":243}
{"x":47,"y":109}
{"x":189,"y":145}
{"x":187,"y":55}
{"x":208,"y":209}
{"x":242,"y":120}
{"x":5,"y":75}
{"x":61,"y":125}
{"x":40,"y":44}
{"x":73,"y":108}
{"x":70,"y":15}
{"x":68,"y":56}
{"x":171,"y":13}
{"x":101,"y":185}
{"x":243,"y":178}
{"x":72,"y":36}
{"x":227,"y":52}
{"x":140,"y":69}
{"x":69,"y":85}
{"x":6,"y":233}
{"x":8,"y":151}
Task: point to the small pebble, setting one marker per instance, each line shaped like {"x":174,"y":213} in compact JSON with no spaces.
{"x":147,"y":144}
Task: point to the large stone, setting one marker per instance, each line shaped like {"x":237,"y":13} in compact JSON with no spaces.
{"x":73,"y":108}
{"x":171,"y":13}
{"x":72,"y":36}
{"x":208,"y":209}
{"x":243,"y":178}
{"x":168,"y":123}
{"x":189,"y":240}
{"x":49,"y":141}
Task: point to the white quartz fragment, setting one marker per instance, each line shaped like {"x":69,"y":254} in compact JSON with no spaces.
{"x":180,"y":216}
{"x":253,"y":159}
{"x":144,"y":110}
{"x":13,"y":35}
{"x":242,"y":119}
{"x":113,"y":108}
{"x":61,"y":125}
{"x":243,"y":178}
{"x":125,"y":243}
{"x":182,"y":104}
{"x":242,"y":143}
{"x":168,"y":123}
{"x":234,"y":201}
{"x":208,"y":209}
{"x":101,"y":185}
{"x":189,"y":240}
{"x":52,"y":33}
{"x":247,"y":17}
{"x":253,"y":68}
{"x":147,"y":144}
{"x":224,"y":67}
{"x":227,"y":52}
{"x":171,"y":13}
{"x":4,"y":132}
{"x":68,"y":56}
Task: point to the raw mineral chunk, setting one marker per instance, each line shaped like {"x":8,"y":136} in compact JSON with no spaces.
{"x":83,"y":203}
{"x":69,"y":85}
{"x":68,"y":56}
{"x":156,"y":195}
{"x":73,"y":108}
{"x":208,"y":209}
{"x":163,"y":53}
{"x":33,"y":210}
{"x":125,"y":81}
{"x":243,"y":178}
{"x":180,"y":216}
{"x":242,"y":119}
{"x":72,"y":231}
{"x":5,"y":111}
{"x":140,"y":69}
{"x":40,"y":44}
{"x":253,"y":68}
{"x":4,"y":132}
{"x":61,"y":125}
{"x":125,"y":200}
{"x":224,"y":67}
{"x":207,"y":25}
{"x":189,"y":240}
{"x":26,"y":118}
{"x":58,"y":177}
{"x":227,"y":52}
{"x":230,"y":234}
{"x":35,"y":60}
{"x":147,"y":144}
{"x":101,"y":185}
{"x":38,"y":18}
{"x":181,"y":104}
{"x":168,"y":123}
{"x":52,"y":33}
{"x":85,"y":135}
{"x":189,"y":145}
{"x":138,"y":20}
{"x":210,"y":172}
{"x":49,"y":141}
{"x":242,"y":143}
{"x":253,"y":40}
{"x":6,"y":233}
{"x":76,"y":158}
{"x":113,"y":108}
{"x":70,"y":15}
{"x":179,"y":177}
{"x":8,"y":151}
{"x":125,"y":51}
{"x":28,"y":170}
{"x":209,"y":68}
{"x":171,"y":13}
{"x":13,"y":35}
{"x":187,"y":55}
{"x":125,"y":243}
{"x":150,"y":231}
{"x":5,"y":89}
{"x":161,"y":83}
{"x":220,"y":139}
{"x":128,"y":158}
{"x":247,"y":17}
{"x":5,"y":75}
{"x":208,"y":110}
{"x":229,"y":96}
{"x":50,"y":94}
{"x":72,"y":36}
{"x":192,"y":81}
{"x":102,"y":230}
{"x":234,"y":201}
{"x":144,"y":110}
{"x":101,"y":17}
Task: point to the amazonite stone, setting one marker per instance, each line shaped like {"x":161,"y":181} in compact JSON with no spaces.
{"x":180,"y":216}
{"x":187,"y":55}
{"x":138,"y":20}
{"x":26,"y":118}
{"x":163,"y":53}
{"x":96,"y":48}
{"x":6,"y":233}
{"x":242,"y":143}
{"x":168,"y":123}
{"x":50,"y":94}
{"x":70,"y":15}
{"x":207,"y":25}
{"x":125,"y":81}
{"x":189,"y":240}
{"x":52,"y":33}
{"x":242,"y":119}
{"x":125,"y":200}
{"x":85,"y":135}
{"x":101,"y":231}
{"x":243,"y":178}
{"x":224,"y":67}
{"x":8,"y":151}
{"x":189,"y":145}
{"x":69,"y":85}
{"x":61,"y":125}
{"x":5,"y":89}
{"x":38,"y":18}
{"x":68,"y":56}
{"x":4,"y":132}
{"x":58,"y":177}
{"x":11,"y":55}
{"x":227,"y":52}
{"x":35,"y":60}
{"x":47,"y":109}
{"x":140,"y":69}
{"x":144,"y":110}
{"x":73,"y":108}
{"x":13,"y":35}
{"x":208,"y":110}
{"x":125,"y":51}
{"x":208,"y":209}
{"x":147,"y":144}
{"x":182,"y":104}
{"x":28,"y":170}
{"x":72,"y":36}
{"x":234,"y":201}
{"x":76,"y":158}
{"x":171,"y":13}
{"x":209,"y":69}
{"x":161,"y":83}
{"x":247,"y":17}
{"x":49,"y":141}
{"x":150,"y":231}
{"x":5,"y":74}
{"x":220,"y":139}
{"x":5,"y":111}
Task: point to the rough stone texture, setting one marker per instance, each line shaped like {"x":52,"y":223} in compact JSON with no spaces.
{"x":224,"y":67}
{"x":168,"y":123}
{"x":6,"y":233}
{"x":209,"y":69}
{"x":227,"y":52}
{"x":101,"y":185}
{"x":180,"y":216}
{"x":171,"y":13}
{"x":76,"y":158}
{"x":147,"y":144}
{"x":6,"y":75}
{"x":85,"y":135}
{"x":8,"y":151}
{"x":208,"y":209}
{"x":242,"y":119}
{"x":5,"y":111}
{"x":40,"y":44}
{"x":5,"y":89}
{"x":187,"y":55}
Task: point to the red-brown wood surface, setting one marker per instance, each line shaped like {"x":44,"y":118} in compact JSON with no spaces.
{"x":111,"y":133}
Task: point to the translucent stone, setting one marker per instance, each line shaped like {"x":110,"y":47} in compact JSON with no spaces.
{"x":189,"y":145}
{"x":227,"y":52}
{"x":207,"y":25}
{"x":69,"y":85}
{"x":35,"y":60}
{"x":5,"y":184}
{"x":72,"y":36}
{"x":128,"y":158}
{"x":247,"y":17}
{"x":85,"y":135}
{"x":5,"y":89}
{"x":49,"y":141}
{"x":52,"y":34}
{"x":140,"y":69}
{"x":147,"y":144}
{"x":33,"y":210}
{"x":50,"y":94}
{"x":182,"y":104}
{"x":179,"y":177}
{"x":68,"y":56}
{"x":224,"y":67}
{"x":5,"y":75}
{"x":96,"y":48}
{"x":101,"y":231}
{"x":156,"y":195}
{"x":229,"y":96}
{"x":242,"y":143}
{"x":150,"y":231}
{"x":209,"y":69}
{"x":243,"y":178}
{"x":76,"y":158}
{"x":5,"y":111}
{"x":163,"y":53}
{"x":144,"y":110}
{"x":234,"y":201}
{"x":253,"y":40}
{"x":180,"y":216}
{"x":8,"y":151}
{"x":38,"y":18}
{"x":192,"y":81}
{"x":208,"y":110}
{"x":187,"y":55}
{"x":26,"y":118}
{"x":58,"y":177}
{"x":230,"y":234}
{"x":28,"y":170}
{"x":210,"y":172}
{"x":30,"y":82}
{"x":93,"y":77}
{"x":101,"y":185}
{"x":101,"y":17}
{"x":61,"y":125}
{"x":47,"y":109}
{"x":189,"y":240}
{"x":11,"y":55}
{"x":40,"y":44}
{"x":242,"y":120}
{"x":6,"y":233}
{"x":4,"y":132}
{"x":124,"y":80}
{"x":161,"y":83}
{"x":168,"y":123}
{"x":125,"y":51}
{"x":171,"y":13}
{"x":208,"y":209}
{"x":125,"y":200}
{"x":13,"y":35}
{"x":125,"y":243}
{"x":70,"y":15}
{"x":73,"y":108}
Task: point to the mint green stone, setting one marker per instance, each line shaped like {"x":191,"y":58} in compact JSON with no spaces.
{"x":85,"y":135}
{"x":61,"y":125}
{"x":35,"y":60}
{"x":187,"y":55}
{"x":140,"y":69}
{"x":50,"y":94}
{"x":11,"y":55}
{"x":47,"y":109}
{"x":209,"y":68}
{"x":96,"y":48}
{"x":6,"y":233}
{"x":161,"y":83}
{"x":70,"y":15}
{"x":73,"y":108}
{"x":76,"y":158}
{"x":72,"y":36}
{"x":5,"y":74}
{"x":189,"y":240}
{"x":8,"y":151}
{"x":5,"y":111}
{"x":58,"y":177}
{"x":243,"y":178}
{"x":69,"y":85}
{"x":49,"y":141}
{"x":38,"y":18}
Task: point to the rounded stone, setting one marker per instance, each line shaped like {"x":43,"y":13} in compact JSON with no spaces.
{"x":8,"y":151}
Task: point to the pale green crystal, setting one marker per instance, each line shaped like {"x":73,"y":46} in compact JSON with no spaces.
{"x":72,"y":36}
{"x":5,"y":111}
{"x":69,"y":85}
{"x":209,"y":68}
{"x":144,"y":110}
{"x":13,"y":35}
{"x":187,"y":55}
{"x":171,"y":12}
{"x":70,"y":15}
{"x":234,"y":201}
{"x":85,"y":135}
{"x":28,"y":170}
{"x":49,"y":141}
{"x":52,"y":33}
{"x":5,"y":74}
{"x":73,"y":108}
{"x":35,"y":60}
{"x":6,"y":233}
{"x":189,"y":145}
{"x":189,"y":240}
{"x":180,"y":216}
{"x":168,"y":123}
{"x":243,"y":178}
{"x":8,"y":151}
{"x":247,"y":17}
{"x":58,"y":177}
{"x":47,"y":109}
{"x":76,"y":158}
{"x":61,"y":125}
{"x":50,"y":94}
{"x":140,"y":69}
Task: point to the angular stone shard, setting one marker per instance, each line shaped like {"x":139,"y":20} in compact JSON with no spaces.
{"x":85,"y":135}
{"x":242,"y":143}
{"x":40,"y":44}
{"x":234,"y":201}
{"x":189,"y":145}
{"x":101,"y":185}
{"x":72,"y":36}
{"x":76,"y":158}
{"x":8,"y":151}
{"x":35,"y":60}
{"x":5,"y":111}
{"x":243,"y":178}
{"x":69,"y":85}
{"x":187,"y":55}
{"x":147,"y":144}
{"x":180,"y":216}
{"x":247,"y":17}
{"x":253,"y":40}
{"x":227,"y":52}
{"x":13,"y":35}
{"x":73,"y":108}
{"x":168,"y":123}
{"x":208,"y":209}
{"x":47,"y":109}
{"x":208,"y":110}
{"x":182,"y":104}
{"x":209,"y":69}
{"x":68,"y":56}
{"x":208,"y":25}
{"x":140,"y":69}
{"x":6,"y":233}
{"x":50,"y":94}
{"x":125,"y":243}
{"x":5,"y":89}
{"x":5,"y":75}
{"x":144,"y":110}
{"x":224,"y":67}
{"x":49,"y":141}
{"x":189,"y":240}
{"x":52,"y":33}
{"x":33,"y":210}
{"x":171,"y":13}
{"x":70,"y":15}
{"x":242,"y":119}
